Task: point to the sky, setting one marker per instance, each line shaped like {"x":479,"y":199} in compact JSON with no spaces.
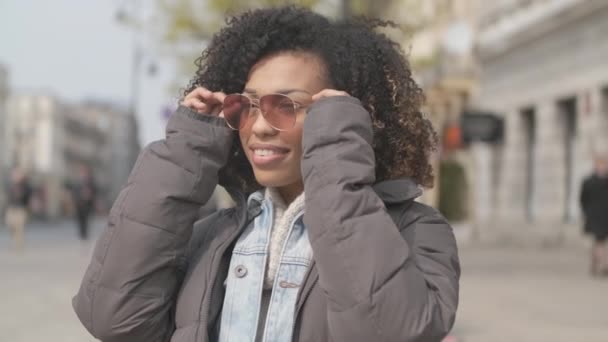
{"x":76,"y":50}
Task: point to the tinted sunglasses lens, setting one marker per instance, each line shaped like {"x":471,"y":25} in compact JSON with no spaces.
{"x":236,"y":110}
{"x":279,"y":110}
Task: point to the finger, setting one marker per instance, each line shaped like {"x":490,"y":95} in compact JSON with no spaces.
{"x":216,"y":109}
{"x":219,"y":96}
{"x":318,"y":95}
{"x":218,"y":102}
{"x":206,"y":95}
{"x":215,"y":98}
{"x":205,"y":101}
{"x":195,"y":104}
{"x":199,"y":92}
{"x":328,"y":93}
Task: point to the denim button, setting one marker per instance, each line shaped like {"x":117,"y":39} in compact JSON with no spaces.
{"x":240,"y":271}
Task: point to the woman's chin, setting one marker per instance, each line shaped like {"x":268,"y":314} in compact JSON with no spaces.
{"x":268,"y":180}
{"x":274,"y":179}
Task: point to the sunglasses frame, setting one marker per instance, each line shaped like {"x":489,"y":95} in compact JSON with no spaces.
{"x":255,"y":104}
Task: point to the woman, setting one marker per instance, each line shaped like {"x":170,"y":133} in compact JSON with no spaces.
{"x":315,"y":129}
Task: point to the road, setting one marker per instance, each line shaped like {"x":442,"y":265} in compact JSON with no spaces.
{"x":507,"y":294}
{"x":530,"y":295}
{"x":37,"y":284}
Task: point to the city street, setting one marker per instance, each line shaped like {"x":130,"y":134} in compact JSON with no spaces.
{"x":507,"y":294}
{"x":37,"y":284}
{"x":524,"y":295}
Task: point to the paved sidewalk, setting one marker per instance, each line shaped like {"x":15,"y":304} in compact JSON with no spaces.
{"x":37,"y":284}
{"x":507,"y":294}
{"x":530,"y":295}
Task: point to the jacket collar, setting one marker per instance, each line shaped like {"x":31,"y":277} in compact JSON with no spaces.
{"x":390,"y":192}
{"x":397,"y":190}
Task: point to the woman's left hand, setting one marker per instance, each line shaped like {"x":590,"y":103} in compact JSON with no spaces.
{"x":328,"y":93}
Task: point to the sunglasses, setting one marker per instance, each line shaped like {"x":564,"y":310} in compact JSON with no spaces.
{"x":279,"y":110}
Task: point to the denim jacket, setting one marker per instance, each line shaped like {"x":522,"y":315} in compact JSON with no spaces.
{"x":244,"y":285}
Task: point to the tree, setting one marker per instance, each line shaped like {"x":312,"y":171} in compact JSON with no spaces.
{"x":198,"y":20}
{"x":187,"y":25}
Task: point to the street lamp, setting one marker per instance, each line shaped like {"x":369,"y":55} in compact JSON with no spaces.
{"x":132,"y":17}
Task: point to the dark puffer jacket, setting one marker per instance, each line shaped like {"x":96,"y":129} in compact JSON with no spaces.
{"x":594,"y":202}
{"x":385,"y":267}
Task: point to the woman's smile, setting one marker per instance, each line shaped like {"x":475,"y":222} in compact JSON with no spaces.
{"x":268,"y":155}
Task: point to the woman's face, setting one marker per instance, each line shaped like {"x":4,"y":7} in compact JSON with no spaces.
{"x":275,"y":155}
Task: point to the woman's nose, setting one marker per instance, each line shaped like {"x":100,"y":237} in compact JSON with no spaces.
{"x":260,"y":126}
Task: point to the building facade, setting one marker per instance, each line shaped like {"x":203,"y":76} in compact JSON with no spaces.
{"x":51,"y":139}
{"x":544,"y":69}
{"x":119,"y":132}
{"x":33,"y":138}
{"x":3,"y":169}
{"x":445,"y":66}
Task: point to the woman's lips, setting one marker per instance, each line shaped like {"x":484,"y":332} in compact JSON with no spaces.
{"x":267,"y":155}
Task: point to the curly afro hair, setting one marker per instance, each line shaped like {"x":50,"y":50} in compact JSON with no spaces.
{"x":359,"y":60}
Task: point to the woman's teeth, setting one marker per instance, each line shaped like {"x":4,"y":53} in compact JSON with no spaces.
{"x":264,"y":153}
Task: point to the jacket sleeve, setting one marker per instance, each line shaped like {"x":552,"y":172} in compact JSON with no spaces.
{"x":129,"y":289}
{"x":378,"y":286}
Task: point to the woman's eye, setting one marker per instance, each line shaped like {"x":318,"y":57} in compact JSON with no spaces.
{"x":287,"y":105}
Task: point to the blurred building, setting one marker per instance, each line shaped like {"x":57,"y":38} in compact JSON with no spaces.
{"x":3,"y":97}
{"x":445,"y":66}
{"x":544,"y":69}
{"x":51,"y":139}
{"x":33,"y":137}
{"x":121,"y":146}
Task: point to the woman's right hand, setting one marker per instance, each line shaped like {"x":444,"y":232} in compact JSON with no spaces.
{"x":205,"y":101}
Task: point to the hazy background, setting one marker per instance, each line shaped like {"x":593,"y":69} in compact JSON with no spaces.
{"x":78,"y":50}
{"x":516,"y":89}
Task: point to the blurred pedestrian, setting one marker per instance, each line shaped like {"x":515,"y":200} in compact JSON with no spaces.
{"x":323,"y":145}
{"x":19,"y":194}
{"x":84,"y":193}
{"x":594,"y":203}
